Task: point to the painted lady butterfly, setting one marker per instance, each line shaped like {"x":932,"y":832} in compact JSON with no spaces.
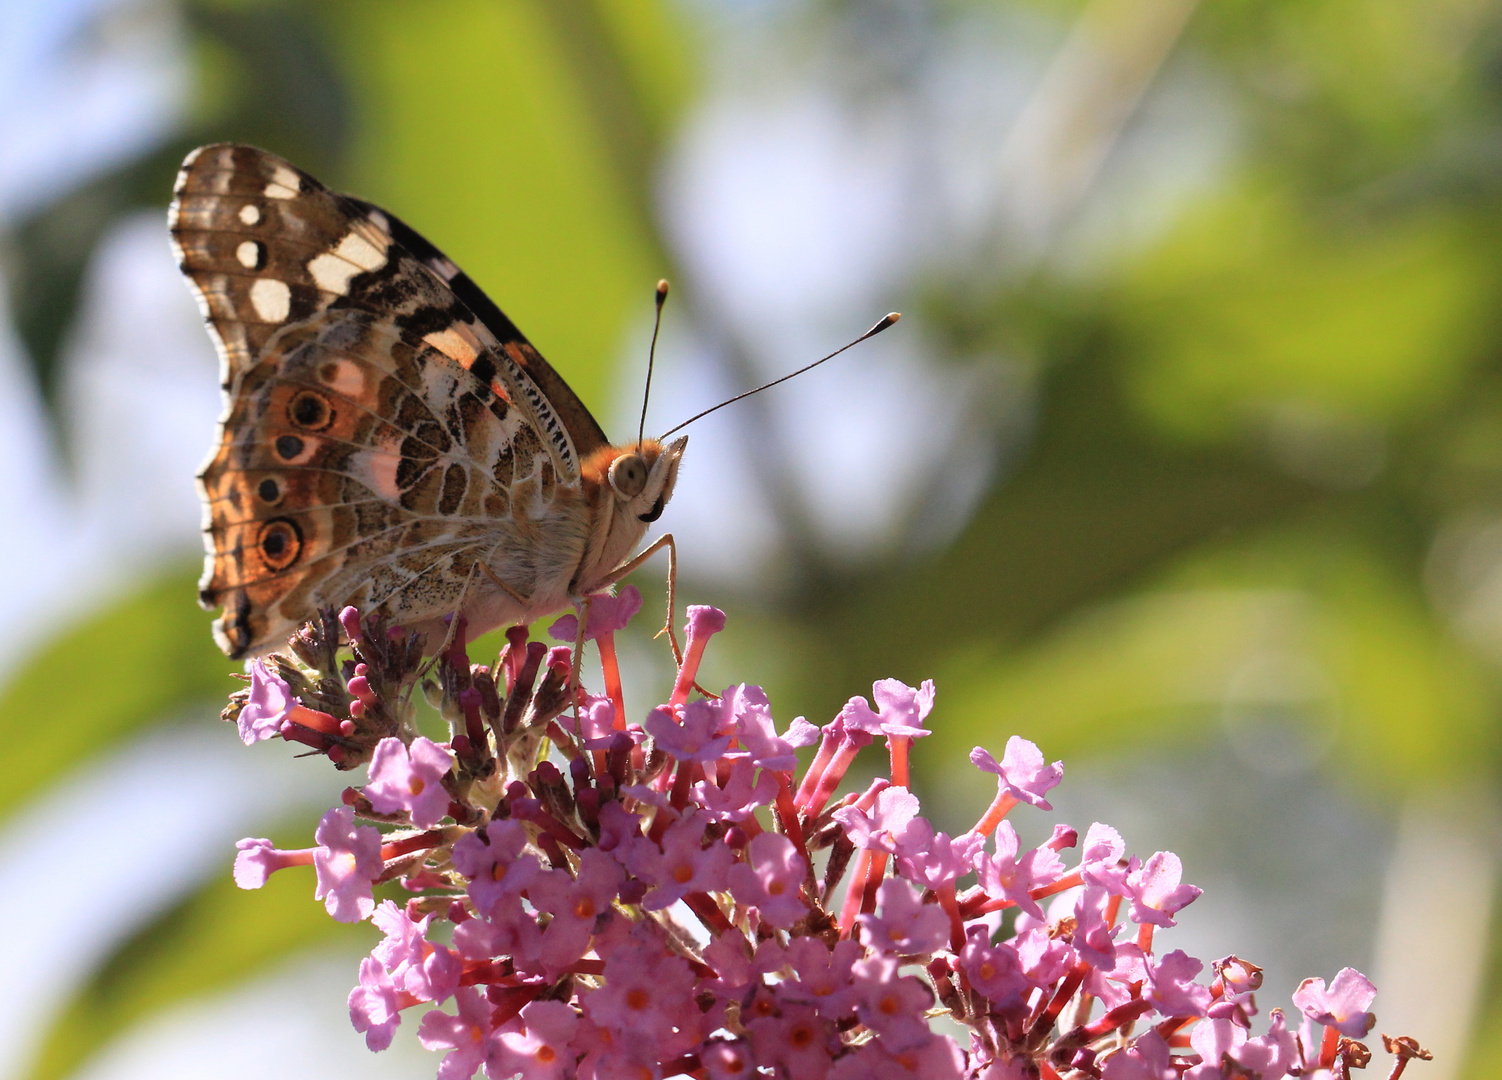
{"x":390,"y":439}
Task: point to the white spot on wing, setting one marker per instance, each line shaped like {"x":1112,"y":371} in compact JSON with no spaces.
{"x":360,"y":251}
{"x":284,"y":184}
{"x":249,"y":254}
{"x":271,"y":299}
{"x":250,"y":214}
{"x":331,"y":273}
{"x":354,"y":254}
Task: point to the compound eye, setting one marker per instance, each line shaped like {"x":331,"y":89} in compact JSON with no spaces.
{"x":628,"y":475}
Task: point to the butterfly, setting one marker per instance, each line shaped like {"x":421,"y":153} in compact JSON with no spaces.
{"x":390,"y":440}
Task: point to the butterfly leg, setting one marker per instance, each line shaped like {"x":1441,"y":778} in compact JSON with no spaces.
{"x":664,"y":541}
{"x":581,"y":613}
{"x":488,"y":572}
{"x":448,"y":638}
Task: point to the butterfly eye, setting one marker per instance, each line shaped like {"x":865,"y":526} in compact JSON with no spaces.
{"x":628,"y":475}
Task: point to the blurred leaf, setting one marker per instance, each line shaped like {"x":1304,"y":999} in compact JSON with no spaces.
{"x":1343,"y":91}
{"x":136,"y":663}
{"x":1300,"y":627}
{"x":219,"y":936}
{"x":1252,"y":305}
{"x":1100,"y":503}
{"x":473,"y":130}
{"x":266,"y":74}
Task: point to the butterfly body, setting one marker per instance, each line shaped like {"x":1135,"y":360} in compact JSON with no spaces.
{"x":390,"y":439}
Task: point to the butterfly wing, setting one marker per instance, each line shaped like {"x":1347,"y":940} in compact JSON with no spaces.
{"x":379,"y":435}
{"x":587,"y":434}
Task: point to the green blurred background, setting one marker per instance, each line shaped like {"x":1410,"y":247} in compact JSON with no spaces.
{"x":1185,"y":461}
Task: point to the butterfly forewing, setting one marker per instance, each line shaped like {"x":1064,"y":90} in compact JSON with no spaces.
{"x":379,"y":435}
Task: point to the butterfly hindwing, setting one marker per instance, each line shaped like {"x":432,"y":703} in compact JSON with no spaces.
{"x":378,"y":436}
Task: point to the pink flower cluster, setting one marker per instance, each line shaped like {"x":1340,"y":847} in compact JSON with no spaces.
{"x":567,"y":894}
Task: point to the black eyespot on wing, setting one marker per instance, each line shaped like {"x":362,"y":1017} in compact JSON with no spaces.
{"x":310,"y":410}
{"x":280,"y":542}
{"x":288,"y":447}
{"x":269,"y":490}
{"x":654,"y":513}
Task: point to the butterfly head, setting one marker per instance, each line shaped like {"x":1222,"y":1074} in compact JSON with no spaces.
{"x":641,"y":477}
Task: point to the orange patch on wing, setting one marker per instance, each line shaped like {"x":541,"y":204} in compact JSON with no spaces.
{"x":457,"y":342}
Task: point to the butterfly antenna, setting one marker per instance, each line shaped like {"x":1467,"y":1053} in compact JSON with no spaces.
{"x":662,"y":297}
{"x":886,"y":321}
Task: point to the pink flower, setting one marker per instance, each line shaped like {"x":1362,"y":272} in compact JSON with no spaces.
{"x":903,"y":923}
{"x":1100,"y":856}
{"x":508,"y":929}
{"x":902,"y":709}
{"x":934,"y":859}
{"x":617,"y":826}
{"x":797,"y":1043}
{"x":270,"y":701}
{"x":1343,"y":1006}
{"x":750,"y":712}
{"x":825,"y":978}
{"x":939,"y":1058}
{"x":1155,"y":890}
{"x":743,"y":791}
{"x":607,"y":614}
{"x":596,"y":723}
{"x":375,"y":1005}
{"x":256,"y":860}
{"x":1273,"y":1054}
{"x":734,"y":968}
{"x":410,"y":779}
{"x":646,"y":996}
{"x":466,"y":1035}
{"x":1112,"y":982}
{"x":1094,"y":936}
{"x":348,"y":861}
{"x":890,"y":1004}
{"x":1171,"y":986}
{"x":540,"y":1049}
{"x":426,"y":971}
{"x":1021,"y":773}
{"x":894,"y":808}
{"x":1005,"y":874}
{"x":771,"y":880}
{"x":493,"y":860}
{"x":1145,"y":1059}
{"x":728,"y":1059}
{"x":697,"y":738}
{"x":575,"y":904}
{"x":1213,"y":1039}
{"x":995,"y":971}
{"x":682,"y":865}
{"x":1044,"y":959}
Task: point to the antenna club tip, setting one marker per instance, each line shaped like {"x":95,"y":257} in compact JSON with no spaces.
{"x":887,"y":320}
{"x":662,"y":288}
